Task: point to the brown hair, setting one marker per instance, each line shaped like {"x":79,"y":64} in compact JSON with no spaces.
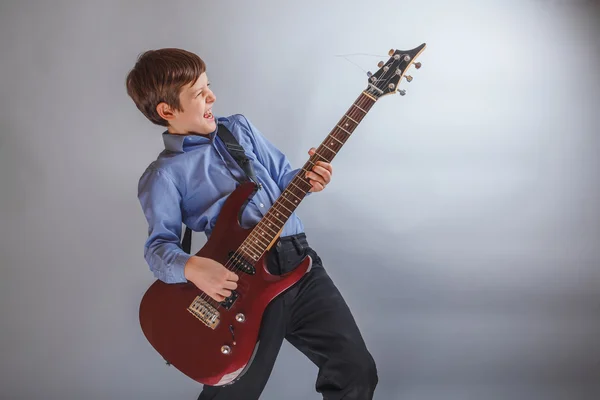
{"x":158,"y":76}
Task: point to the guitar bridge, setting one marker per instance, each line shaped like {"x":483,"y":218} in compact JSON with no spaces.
{"x":205,"y":312}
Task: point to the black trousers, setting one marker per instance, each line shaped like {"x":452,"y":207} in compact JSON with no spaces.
{"x":313,"y":317}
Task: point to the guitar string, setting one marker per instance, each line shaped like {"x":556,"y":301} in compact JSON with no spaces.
{"x":252,"y":236}
{"x":345,"y":57}
{"x":239,"y":252}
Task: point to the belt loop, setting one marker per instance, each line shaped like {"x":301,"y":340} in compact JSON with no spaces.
{"x":297,"y":245}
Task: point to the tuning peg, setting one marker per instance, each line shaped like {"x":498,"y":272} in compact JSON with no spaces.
{"x":401,"y":92}
{"x":391,"y":52}
{"x":417,"y":65}
{"x":380,"y":64}
{"x":369,"y":74}
{"x":408,"y":78}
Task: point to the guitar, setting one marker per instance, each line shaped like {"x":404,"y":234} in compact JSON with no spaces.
{"x":214,"y":342}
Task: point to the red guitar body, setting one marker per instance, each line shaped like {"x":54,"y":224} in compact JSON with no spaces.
{"x":213,"y":355}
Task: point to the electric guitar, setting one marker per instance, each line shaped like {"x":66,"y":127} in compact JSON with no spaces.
{"x":214,"y":342}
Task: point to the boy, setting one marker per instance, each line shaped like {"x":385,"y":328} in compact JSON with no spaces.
{"x":188,"y":183}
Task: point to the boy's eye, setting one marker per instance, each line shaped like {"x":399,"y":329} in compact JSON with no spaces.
{"x":200,"y":92}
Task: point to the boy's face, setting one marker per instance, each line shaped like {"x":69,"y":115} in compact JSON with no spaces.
{"x":196,"y":101}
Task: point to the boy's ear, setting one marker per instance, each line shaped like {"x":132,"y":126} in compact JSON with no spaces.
{"x":165,"y":111}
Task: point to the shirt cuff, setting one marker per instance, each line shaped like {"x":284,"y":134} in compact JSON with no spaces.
{"x":178,"y":267}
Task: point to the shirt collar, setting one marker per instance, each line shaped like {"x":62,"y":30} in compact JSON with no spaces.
{"x":183,"y":143}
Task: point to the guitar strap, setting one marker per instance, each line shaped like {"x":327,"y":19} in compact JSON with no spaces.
{"x":237,"y":152}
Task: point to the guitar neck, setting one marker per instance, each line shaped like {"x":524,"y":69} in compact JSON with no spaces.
{"x":269,"y":227}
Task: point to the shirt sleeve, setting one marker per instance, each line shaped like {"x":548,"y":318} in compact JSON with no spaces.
{"x":160,"y":200}
{"x":271,"y":157}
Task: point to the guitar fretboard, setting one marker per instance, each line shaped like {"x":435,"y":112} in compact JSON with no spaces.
{"x":258,"y":241}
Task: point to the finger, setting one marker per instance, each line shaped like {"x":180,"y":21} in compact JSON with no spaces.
{"x":224,"y":292}
{"x":324,"y":173}
{"x":218,"y":297}
{"x":325,"y":165}
{"x":314,"y":177}
{"x":317,"y":187}
{"x":230,"y":285}
{"x":312,"y":151}
{"x":232,"y":277}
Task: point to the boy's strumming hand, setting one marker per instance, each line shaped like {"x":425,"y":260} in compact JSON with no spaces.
{"x":320,"y":175}
{"x":211,"y":277}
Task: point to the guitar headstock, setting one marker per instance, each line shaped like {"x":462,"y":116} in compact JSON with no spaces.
{"x":387,"y":79}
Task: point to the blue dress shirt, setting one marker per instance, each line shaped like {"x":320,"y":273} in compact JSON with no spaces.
{"x":191,"y":179}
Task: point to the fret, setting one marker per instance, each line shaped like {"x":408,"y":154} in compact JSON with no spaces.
{"x":331,"y":144}
{"x":268,"y":226}
{"x":293,"y":204}
{"x":255,"y":246}
{"x":340,"y":136}
{"x":347,"y":125}
{"x":261,"y":232}
{"x":246,"y":254}
{"x":317,"y":154}
{"x":311,"y":163}
{"x":307,"y":183}
{"x":337,"y":140}
{"x":347,"y":116}
{"x":260,"y":239}
{"x":297,"y":193}
{"x":282,"y":223}
{"x":252,"y":245}
{"x":292,"y":183}
{"x":325,"y":151}
{"x":343,"y":132}
{"x":253,"y":239}
{"x":281,"y":204}
{"x":294,"y":194}
{"x":349,"y":133}
{"x":359,"y":108}
{"x":324,"y":145}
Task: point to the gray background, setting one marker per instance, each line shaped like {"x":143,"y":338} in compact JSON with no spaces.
{"x":462,"y":224}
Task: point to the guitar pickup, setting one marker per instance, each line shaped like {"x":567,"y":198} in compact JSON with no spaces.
{"x":241,"y":263}
{"x":229,"y":301}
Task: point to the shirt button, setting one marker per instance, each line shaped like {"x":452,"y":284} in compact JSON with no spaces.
{"x":262,"y":205}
